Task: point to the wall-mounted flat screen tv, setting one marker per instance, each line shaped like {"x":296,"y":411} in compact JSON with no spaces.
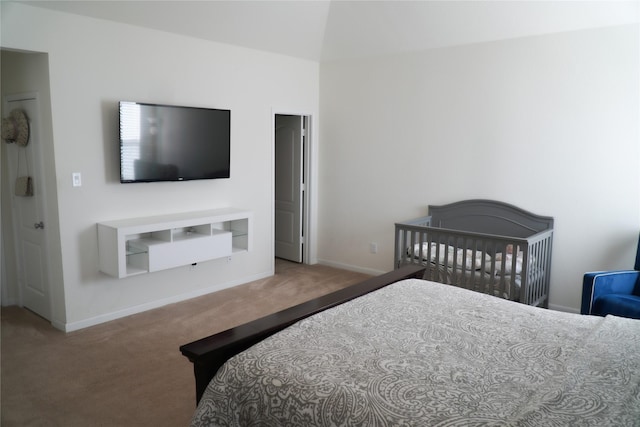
{"x":173,"y":143}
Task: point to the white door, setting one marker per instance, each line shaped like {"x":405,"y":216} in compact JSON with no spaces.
{"x":289,"y":136}
{"x":28,"y":212}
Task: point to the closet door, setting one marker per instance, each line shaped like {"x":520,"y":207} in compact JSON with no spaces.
{"x":28,"y":212}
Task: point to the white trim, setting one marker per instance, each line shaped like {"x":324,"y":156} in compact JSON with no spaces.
{"x":556,"y":307}
{"x":8,"y":302}
{"x":4,"y":292}
{"x":349,"y":267}
{"x":308,"y":189}
{"x":612,"y":273}
{"x":74,"y":326}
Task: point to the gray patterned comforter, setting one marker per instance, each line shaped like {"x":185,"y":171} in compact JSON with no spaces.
{"x":420,"y":353}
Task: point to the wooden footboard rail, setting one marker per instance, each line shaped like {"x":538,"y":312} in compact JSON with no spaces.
{"x":210,"y":353}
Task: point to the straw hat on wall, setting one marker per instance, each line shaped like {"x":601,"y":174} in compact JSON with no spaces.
{"x":15,"y":128}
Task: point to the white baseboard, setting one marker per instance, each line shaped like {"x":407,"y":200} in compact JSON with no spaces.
{"x":74,"y":326}
{"x":563,"y":308}
{"x":349,"y":267}
{"x":60,"y":326}
{"x":9,"y":302}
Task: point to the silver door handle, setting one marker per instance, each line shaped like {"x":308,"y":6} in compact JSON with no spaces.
{"x":39,"y":225}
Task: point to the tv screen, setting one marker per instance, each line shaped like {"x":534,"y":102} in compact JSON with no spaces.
{"x":173,"y":143}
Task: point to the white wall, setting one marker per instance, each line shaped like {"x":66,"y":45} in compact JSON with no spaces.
{"x":547,"y":123}
{"x":92,"y":65}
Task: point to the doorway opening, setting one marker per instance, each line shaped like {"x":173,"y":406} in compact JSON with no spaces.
{"x":291,"y":205}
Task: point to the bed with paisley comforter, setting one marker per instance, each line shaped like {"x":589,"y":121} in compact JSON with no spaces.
{"x":421,"y":353}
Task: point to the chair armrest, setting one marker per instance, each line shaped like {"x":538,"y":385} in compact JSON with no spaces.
{"x":600,"y":283}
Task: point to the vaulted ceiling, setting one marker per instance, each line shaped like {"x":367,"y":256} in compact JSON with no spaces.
{"x":326,"y":30}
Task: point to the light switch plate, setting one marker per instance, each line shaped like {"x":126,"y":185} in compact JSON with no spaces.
{"x":77,"y":179}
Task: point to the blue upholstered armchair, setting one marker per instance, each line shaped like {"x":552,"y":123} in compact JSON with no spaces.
{"x":613,"y":292}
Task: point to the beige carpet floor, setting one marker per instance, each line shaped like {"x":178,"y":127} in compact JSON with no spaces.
{"x":129,"y":372}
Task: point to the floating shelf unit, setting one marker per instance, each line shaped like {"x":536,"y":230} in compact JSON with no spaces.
{"x":142,"y":245}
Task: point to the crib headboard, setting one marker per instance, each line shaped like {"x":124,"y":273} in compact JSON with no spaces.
{"x":489,"y":216}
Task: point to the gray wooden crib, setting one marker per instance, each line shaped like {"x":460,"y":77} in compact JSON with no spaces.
{"x":483,"y":245}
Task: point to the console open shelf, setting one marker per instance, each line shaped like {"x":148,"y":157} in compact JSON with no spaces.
{"x":141,"y":245}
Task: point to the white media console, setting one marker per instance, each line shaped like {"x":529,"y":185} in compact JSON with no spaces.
{"x":142,"y":245}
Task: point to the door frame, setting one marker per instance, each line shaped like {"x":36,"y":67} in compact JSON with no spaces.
{"x":308,"y":178}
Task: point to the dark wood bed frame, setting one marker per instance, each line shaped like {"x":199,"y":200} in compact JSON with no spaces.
{"x":210,"y":353}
